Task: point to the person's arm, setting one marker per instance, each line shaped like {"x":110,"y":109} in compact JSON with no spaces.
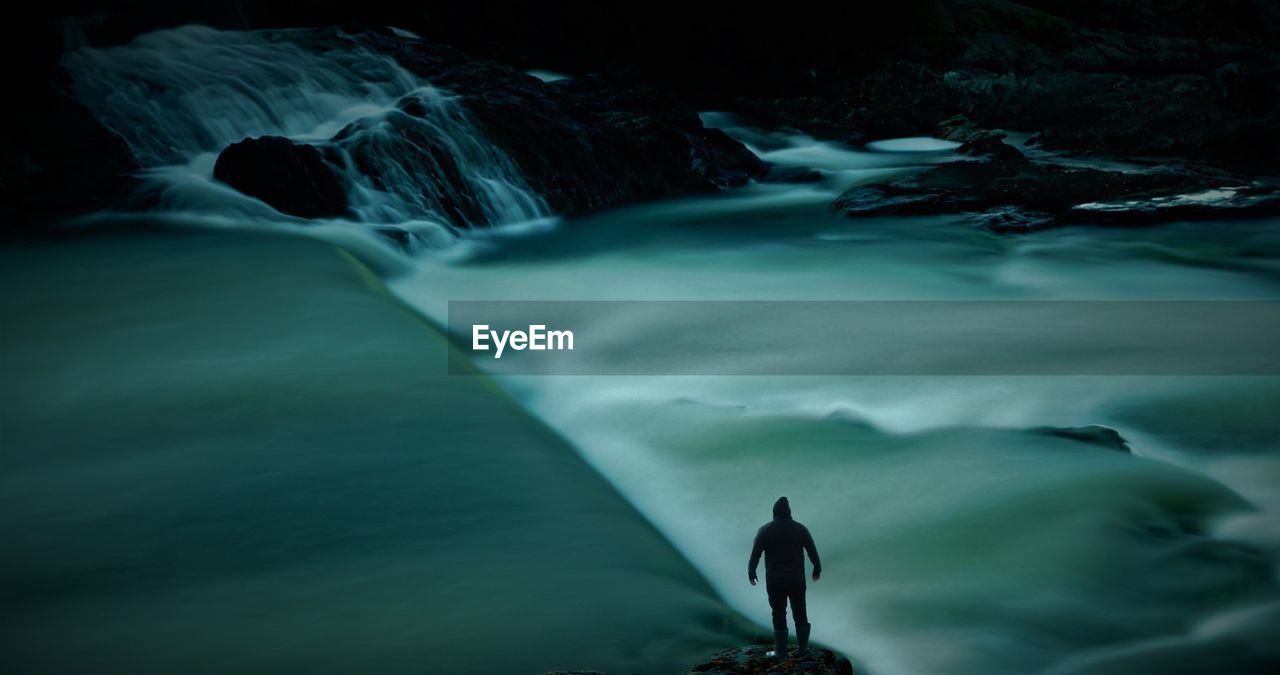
{"x":812,"y":550}
{"x":756,"y":549}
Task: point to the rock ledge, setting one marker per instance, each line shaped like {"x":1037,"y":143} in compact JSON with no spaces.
{"x":753,"y":660}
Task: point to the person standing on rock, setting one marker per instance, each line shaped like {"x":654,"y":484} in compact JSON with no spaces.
{"x":784,"y":542}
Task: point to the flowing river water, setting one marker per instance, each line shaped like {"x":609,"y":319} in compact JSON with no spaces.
{"x":957,"y":537}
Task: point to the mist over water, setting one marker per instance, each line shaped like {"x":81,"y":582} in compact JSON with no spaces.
{"x":957,"y":536}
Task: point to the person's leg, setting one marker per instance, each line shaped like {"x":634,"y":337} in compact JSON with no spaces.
{"x":800,"y":612}
{"x":778,"y":594}
{"x":778,"y":603}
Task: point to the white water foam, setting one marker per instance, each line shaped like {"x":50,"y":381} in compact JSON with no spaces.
{"x":407,"y":150}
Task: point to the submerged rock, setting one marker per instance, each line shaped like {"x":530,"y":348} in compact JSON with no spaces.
{"x":294,"y":178}
{"x":753,"y":659}
{"x":1011,"y":219}
{"x":1095,"y":434}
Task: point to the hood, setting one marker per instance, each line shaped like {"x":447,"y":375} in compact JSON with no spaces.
{"x":782,"y":508}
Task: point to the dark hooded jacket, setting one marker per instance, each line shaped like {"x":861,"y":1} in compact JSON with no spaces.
{"x":783,"y":542}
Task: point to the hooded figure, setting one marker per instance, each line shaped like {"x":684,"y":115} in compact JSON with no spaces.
{"x":784,"y":543}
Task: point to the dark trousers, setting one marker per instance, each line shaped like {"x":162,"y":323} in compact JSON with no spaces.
{"x":779,"y":594}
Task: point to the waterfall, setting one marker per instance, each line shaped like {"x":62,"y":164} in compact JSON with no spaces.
{"x":407,"y":151}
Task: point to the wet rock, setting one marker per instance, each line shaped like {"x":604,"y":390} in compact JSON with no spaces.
{"x":400,"y":156}
{"x":1094,"y":434}
{"x":586,"y":142}
{"x":1013,"y":220}
{"x":753,"y":659}
{"x":396,"y":236}
{"x":959,"y":129}
{"x":294,"y":178}
{"x":990,"y":145}
{"x":580,"y":144}
{"x":1013,"y":194}
{"x":1227,"y":201}
{"x":903,"y":199}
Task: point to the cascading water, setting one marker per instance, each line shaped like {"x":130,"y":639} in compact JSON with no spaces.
{"x":958,"y":539}
{"x":407,"y":151}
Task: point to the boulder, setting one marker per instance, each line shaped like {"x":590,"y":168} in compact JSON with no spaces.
{"x":294,"y":178}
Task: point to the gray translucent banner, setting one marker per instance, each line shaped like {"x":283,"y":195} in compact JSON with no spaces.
{"x":868,"y":338}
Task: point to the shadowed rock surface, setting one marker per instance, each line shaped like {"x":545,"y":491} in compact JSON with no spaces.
{"x":292,"y":177}
{"x":579,"y":144}
{"x":753,"y":659}
{"x":1010,"y":193}
{"x":583,"y":143}
{"x":1149,"y":80}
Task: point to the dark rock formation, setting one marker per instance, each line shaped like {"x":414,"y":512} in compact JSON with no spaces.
{"x":294,"y":178}
{"x":1011,"y":219}
{"x":583,"y":143}
{"x":580,"y":144}
{"x":401,"y":156}
{"x":1094,"y":434}
{"x":1010,"y":193}
{"x":744,"y":660}
{"x":1192,"y":83}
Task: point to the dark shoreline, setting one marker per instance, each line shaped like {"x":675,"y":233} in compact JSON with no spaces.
{"x":1195,"y":87}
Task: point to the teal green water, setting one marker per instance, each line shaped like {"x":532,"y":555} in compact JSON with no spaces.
{"x":956,"y":538}
{"x":242,"y":454}
{"x":225,"y":452}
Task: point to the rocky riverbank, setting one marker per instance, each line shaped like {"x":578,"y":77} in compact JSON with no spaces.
{"x":581,"y":144}
{"x":1009,"y":193}
{"x":1187,"y":96}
